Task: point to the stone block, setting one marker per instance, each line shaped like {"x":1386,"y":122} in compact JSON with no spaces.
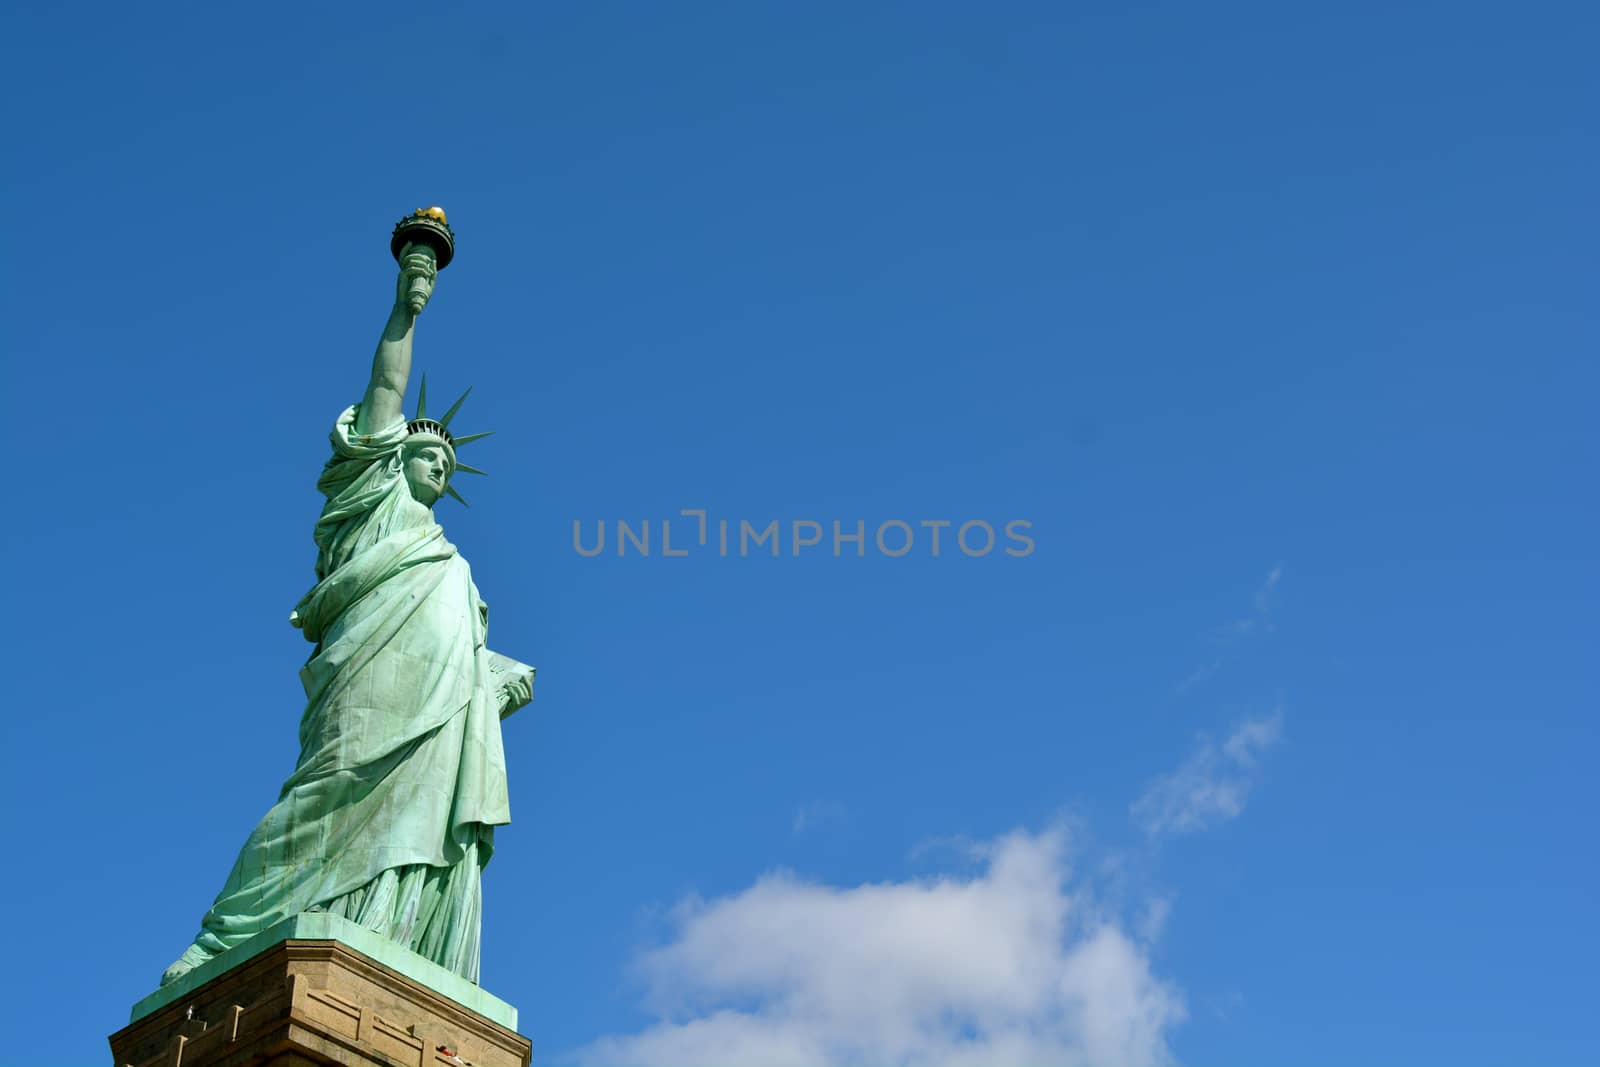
{"x":300,"y":1003}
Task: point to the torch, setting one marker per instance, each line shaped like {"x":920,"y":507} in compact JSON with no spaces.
{"x":426,"y":231}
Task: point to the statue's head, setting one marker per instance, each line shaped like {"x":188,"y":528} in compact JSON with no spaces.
{"x":427,"y":462}
{"x":429,"y":455}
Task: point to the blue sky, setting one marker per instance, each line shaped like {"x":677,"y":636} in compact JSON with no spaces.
{"x":1276,"y":324}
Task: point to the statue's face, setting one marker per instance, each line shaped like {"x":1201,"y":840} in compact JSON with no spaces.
{"x":427,"y":471}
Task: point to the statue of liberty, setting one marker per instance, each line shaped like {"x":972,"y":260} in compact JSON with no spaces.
{"x":389,"y":816}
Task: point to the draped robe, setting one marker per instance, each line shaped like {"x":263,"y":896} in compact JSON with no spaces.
{"x":388,"y":817}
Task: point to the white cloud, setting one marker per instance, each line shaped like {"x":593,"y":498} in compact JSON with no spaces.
{"x":1252,"y":738}
{"x":1154,"y":920}
{"x":1264,"y":595}
{"x":810,"y":816}
{"x":1014,"y":965}
{"x":1210,"y":786}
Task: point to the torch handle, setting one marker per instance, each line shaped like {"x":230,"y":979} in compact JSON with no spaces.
{"x":419,"y":276}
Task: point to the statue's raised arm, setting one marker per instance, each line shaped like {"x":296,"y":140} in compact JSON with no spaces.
{"x":383,"y":404}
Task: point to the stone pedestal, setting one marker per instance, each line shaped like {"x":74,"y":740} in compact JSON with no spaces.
{"x":298,"y":1002}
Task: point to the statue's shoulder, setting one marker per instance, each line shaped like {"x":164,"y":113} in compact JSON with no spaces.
{"x":350,"y":443}
{"x":359,"y":459}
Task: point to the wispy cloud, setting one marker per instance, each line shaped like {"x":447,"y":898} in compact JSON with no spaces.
{"x":810,"y":816}
{"x":1210,"y":787}
{"x":1259,"y":621}
{"x":1200,"y":674}
{"x":1265,"y":594}
{"x":1014,"y":964}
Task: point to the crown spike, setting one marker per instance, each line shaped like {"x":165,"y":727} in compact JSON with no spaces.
{"x":467,"y":439}
{"x":422,"y":398}
{"x":452,"y":491}
{"x":470,"y":470}
{"x":445,"y":420}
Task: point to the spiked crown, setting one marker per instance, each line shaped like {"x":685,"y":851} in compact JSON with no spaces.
{"x":440,"y":428}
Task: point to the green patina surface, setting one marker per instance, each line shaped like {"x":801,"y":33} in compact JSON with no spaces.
{"x":388,"y":817}
{"x":321,"y":926}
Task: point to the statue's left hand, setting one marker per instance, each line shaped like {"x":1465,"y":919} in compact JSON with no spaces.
{"x":514,"y":694}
